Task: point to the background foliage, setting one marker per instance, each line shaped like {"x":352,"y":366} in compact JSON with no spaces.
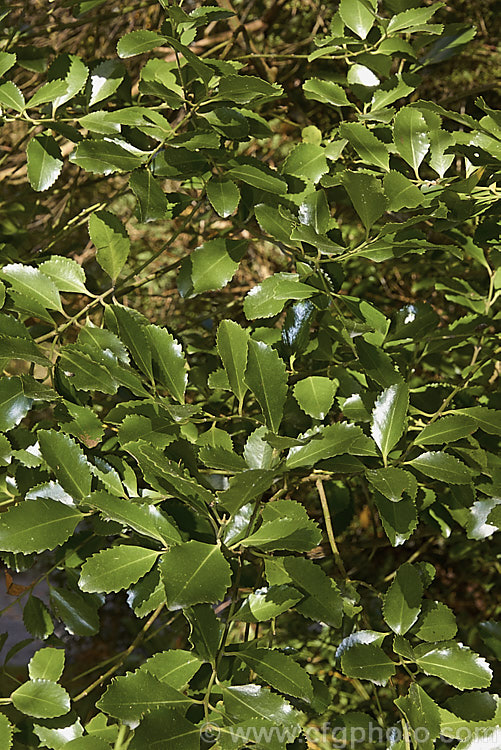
{"x":250,"y":474}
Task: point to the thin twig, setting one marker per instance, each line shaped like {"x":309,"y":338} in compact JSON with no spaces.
{"x":330,"y":531}
{"x":137,"y":640}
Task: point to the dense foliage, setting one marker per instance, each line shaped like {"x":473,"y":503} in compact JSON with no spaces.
{"x":249,"y":407}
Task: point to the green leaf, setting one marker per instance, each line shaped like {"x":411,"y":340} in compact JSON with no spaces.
{"x":306,"y":234}
{"x":5,"y":451}
{"x":47,"y":664}
{"x":258,"y":178}
{"x":401,"y":192}
{"x":370,"y":149}
{"x":74,"y":74}
{"x":410,"y":134}
{"x":157,"y":431}
{"x":399,"y":519}
{"x":274,"y":222}
{"x":367,"y":662}
{"x":329,"y":441}
{"x":285,"y":525}
{"x":77,"y":611}
{"x":267,"y":603}
{"x":436,"y":623}
{"x":202,"y":16}
{"x":168,"y":729}
{"x":487,"y":419}
{"x":394,"y":88}
{"x":361,"y":75}
{"x":254,"y":702}
{"x":37,"y":525}
{"x":279,"y":671}
{"x":392,"y":482}
{"x":88,"y":742}
{"x":34,"y":284}
{"x":13,"y":403}
{"x":37,"y":619}
{"x":446,"y":430}
{"x":143,"y":518}
{"x":468,"y":712}
{"x":270,"y":297}
{"x":243,"y":89}
{"x":367,"y":196}
{"x":477,"y":523}
{"x":138,"y":42}
{"x":314,"y":211}
{"x":129,"y":697}
{"x":106,"y":157}
{"x":210,"y":266}
{"x":152,"y":201}
{"x":86,"y":425}
{"x":42,"y":699}
{"x":193,"y":573}
{"x":257,"y":452}
{"x":267,"y":379}
{"x":205,"y":631}
{"x":322,"y":601}
{"x":6,"y":728}
{"x":284,"y":533}
{"x":427,"y":572}
{"x":245,"y":487}
{"x":7,"y":60}
{"x":105,"y":78}
{"x":358,"y":15}
{"x":147,"y":594}
{"x":134,"y":335}
{"x":388,"y":417}
{"x":422,"y":713}
{"x":442,"y":466}
{"x":169,"y":363}
{"x":116,"y":568}
{"x":36,"y":390}
{"x":439,"y":160}
{"x":67,"y":461}
{"x":175,"y":667}
{"x":409,"y":19}
{"x":232,"y":343}
{"x":412,"y":322}
{"x":402,"y":601}
{"x":360,"y":636}
{"x":454,"y":663}
{"x":494,"y":515}
{"x":89,"y":368}
{"x":224,"y":196}
{"x":66,"y":274}
{"x":315,"y":395}
{"x":48,"y":92}
{"x":101,"y":122}
{"x":307,"y":160}
{"x":164,"y":474}
{"x":111,"y":240}
{"x":490,"y":633}
{"x":221,"y":458}
{"x":100,"y":338}
{"x":61,"y":732}
{"x":402,"y":647}
{"x":326,"y":92}
{"x":203,"y":71}
{"x":45,"y":162}
{"x":11,"y":97}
